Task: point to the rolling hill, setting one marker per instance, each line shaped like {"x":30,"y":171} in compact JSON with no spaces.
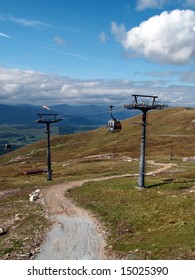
{"x":26,"y":114}
{"x":170,"y":132}
{"x":129,"y":215}
{"x":18,"y":126}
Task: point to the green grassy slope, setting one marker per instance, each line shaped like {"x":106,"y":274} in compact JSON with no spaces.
{"x":171,"y":132}
{"x":155,"y":223}
{"x":170,"y":129}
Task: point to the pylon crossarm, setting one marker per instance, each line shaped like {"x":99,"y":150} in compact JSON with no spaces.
{"x":141,"y":106}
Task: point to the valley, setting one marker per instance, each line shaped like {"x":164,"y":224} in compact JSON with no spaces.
{"x":18,"y":127}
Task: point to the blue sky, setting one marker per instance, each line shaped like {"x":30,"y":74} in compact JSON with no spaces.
{"x":96,"y":52}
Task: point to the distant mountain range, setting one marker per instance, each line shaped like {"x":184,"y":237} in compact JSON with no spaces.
{"x":18,"y":125}
{"x":81,"y":115}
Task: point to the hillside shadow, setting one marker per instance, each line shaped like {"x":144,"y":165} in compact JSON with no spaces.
{"x":170,"y":181}
{"x":165,"y":182}
{"x":155,"y":185}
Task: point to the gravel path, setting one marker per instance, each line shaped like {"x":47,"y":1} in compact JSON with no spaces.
{"x":75,"y":238}
{"x":75,"y":235}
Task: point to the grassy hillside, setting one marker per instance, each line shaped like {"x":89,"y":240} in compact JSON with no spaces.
{"x":168,"y":130}
{"x":166,"y":127}
{"x":95,"y":154}
{"x":155,"y":223}
{"x":18,"y":126}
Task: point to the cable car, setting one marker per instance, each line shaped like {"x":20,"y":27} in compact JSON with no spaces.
{"x":113,"y":125}
{"x":7,"y":147}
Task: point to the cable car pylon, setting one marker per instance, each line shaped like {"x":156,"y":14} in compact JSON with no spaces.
{"x":144,"y":105}
{"x":48,"y":119}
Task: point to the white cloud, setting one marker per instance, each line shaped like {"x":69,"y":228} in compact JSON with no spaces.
{"x":147,"y":4}
{"x":5,"y":35}
{"x":57,"y":50}
{"x":103,"y":37}
{"x":24,"y":22}
{"x":27,"y":86}
{"x":120,"y":33}
{"x":142,"y":5}
{"x":168,"y":37}
{"x":59,"y":41}
{"x":188,"y":77}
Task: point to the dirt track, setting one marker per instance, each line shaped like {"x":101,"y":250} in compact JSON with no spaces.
{"x":75,"y":234}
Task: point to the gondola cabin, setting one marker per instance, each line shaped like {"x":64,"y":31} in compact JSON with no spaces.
{"x":7,"y":147}
{"x":114,"y":126}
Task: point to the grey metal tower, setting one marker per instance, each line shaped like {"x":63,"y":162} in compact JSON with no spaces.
{"x":48,"y":119}
{"x":143,"y":103}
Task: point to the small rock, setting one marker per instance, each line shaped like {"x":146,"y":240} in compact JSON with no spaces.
{"x":17,"y":217}
{"x":3,"y":231}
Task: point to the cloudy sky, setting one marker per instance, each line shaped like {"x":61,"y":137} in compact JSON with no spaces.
{"x":97,"y":52}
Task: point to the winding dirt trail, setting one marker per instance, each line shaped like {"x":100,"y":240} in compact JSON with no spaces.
{"x":76,"y":235}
